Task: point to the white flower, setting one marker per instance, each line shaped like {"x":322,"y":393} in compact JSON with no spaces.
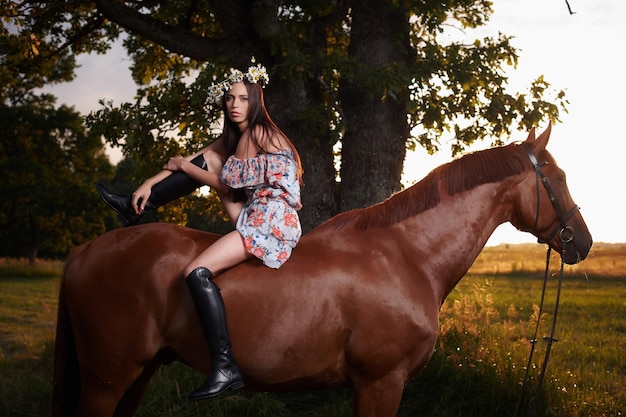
{"x":236,"y":76}
{"x":256,"y":73}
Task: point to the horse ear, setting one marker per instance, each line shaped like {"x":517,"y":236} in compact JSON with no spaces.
{"x":531,"y":135}
{"x":542,"y":140}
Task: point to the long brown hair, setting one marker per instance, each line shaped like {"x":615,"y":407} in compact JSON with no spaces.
{"x":257,"y":116}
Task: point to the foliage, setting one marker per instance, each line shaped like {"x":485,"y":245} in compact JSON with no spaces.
{"x":333,"y":78}
{"x":48,"y":165}
{"x":39,"y":43}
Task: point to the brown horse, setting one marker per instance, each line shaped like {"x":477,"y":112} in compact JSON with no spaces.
{"x":357,"y":305}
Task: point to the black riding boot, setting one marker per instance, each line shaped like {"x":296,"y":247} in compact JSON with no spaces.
{"x":170,"y":188}
{"x":225,"y":373}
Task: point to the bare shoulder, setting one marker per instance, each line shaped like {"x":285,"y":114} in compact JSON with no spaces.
{"x":216,"y":146}
{"x":270,"y":141}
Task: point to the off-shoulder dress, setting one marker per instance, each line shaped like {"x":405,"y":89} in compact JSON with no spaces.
{"x":269,"y":222}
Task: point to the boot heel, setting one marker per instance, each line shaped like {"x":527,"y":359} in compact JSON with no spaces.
{"x":237,"y":386}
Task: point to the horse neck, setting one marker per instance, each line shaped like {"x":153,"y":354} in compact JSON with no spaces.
{"x":451,"y":236}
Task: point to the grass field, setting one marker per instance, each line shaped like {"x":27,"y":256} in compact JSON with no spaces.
{"x":476,"y":371}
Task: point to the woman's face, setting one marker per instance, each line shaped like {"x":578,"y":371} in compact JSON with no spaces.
{"x":237,"y":105}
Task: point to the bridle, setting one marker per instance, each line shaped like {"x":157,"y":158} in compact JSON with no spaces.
{"x":566,"y":233}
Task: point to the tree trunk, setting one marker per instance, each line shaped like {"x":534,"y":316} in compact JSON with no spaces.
{"x":291,"y":104}
{"x":32,"y":255}
{"x":373,"y":146}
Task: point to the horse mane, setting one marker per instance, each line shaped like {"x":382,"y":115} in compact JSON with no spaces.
{"x":468,"y":172}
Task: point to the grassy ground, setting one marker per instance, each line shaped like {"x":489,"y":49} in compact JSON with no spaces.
{"x":28,"y":299}
{"x":476,"y":371}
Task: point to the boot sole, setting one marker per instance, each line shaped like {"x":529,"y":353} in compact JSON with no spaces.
{"x":232,"y":387}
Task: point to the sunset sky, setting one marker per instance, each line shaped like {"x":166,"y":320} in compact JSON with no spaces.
{"x":580,"y":53}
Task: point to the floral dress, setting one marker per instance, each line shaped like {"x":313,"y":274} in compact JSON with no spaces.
{"x":269,"y":220}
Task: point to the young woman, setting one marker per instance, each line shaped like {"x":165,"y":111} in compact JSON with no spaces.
{"x":261,"y":160}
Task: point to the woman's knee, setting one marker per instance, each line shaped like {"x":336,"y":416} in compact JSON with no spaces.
{"x":214,"y":161}
{"x":189,"y":269}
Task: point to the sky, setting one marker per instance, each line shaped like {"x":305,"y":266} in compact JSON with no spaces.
{"x":580,"y":53}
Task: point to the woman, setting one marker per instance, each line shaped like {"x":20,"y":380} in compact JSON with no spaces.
{"x":266,"y":165}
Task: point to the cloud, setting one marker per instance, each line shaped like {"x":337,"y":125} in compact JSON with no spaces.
{"x":97,"y":77}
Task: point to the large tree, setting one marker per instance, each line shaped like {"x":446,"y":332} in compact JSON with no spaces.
{"x":48,"y":166}
{"x":375,"y":76}
{"x":48,"y":161}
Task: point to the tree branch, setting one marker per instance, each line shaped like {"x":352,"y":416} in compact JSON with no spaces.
{"x":81,"y":34}
{"x":172,"y":38}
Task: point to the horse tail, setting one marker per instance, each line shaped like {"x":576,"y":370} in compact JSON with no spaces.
{"x":66,"y":375}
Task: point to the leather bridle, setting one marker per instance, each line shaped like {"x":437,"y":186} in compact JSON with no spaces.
{"x":566,"y":233}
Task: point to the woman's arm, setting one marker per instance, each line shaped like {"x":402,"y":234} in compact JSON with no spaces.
{"x":143,"y":192}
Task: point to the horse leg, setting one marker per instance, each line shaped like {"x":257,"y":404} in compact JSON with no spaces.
{"x":132,"y":398}
{"x":378,"y":398}
{"x":97,"y":401}
{"x":114,"y":398}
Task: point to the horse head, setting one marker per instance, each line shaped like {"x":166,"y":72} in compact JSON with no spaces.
{"x":546,"y":208}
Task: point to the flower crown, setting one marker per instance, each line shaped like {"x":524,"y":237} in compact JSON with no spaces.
{"x":256,"y":73}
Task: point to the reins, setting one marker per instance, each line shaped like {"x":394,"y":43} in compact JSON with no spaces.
{"x":549,"y":339}
{"x":566,"y":235}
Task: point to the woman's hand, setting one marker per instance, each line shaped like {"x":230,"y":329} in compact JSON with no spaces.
{"x":175,"y":163}
{"x":142,"y":194}
{"x":140,"y":197}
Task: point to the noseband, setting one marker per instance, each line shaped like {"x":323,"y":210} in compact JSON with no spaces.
{"x":566,"y":233}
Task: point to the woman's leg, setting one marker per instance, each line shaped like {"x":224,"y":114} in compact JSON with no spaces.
{"x":172,"y":187}
{"x":226,"y":252}
{"x":225,"y":373}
